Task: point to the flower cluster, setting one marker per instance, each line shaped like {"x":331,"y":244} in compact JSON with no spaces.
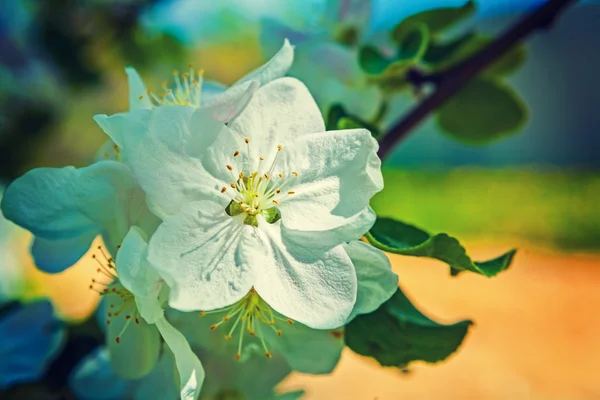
{"x":231,"y":221}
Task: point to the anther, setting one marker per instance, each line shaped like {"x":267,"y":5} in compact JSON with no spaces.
{"x":232,"y":185}
{"x":281,"y":176}
{"x":294,"y":173}
{"x":291,"y":192}
{"x":237,"y":356}
{"x":261,"y":158}
{"x":289,"y":321}
{"x":140,"y":97}
{"x":237,"y":153}
{"x":137,"y":320}
{"x":246,"y":140}
{"x":223,"y":189}
{"x":251,"y":332}
{"x":118,"y":340}
{"x":275,"y":202}
{"x":268,"y":354}
{"x":279,"y":147}
{"x":267,"y":177}
{"x":279,"y":332}
{"x":226,"y":318}
{"x":202,"y":313}
{"x":241,"y":175}
{"x":213,"y":327}
{"x":278,"y":191}
{"x":229,"y":167}
{"x":228,"y":337}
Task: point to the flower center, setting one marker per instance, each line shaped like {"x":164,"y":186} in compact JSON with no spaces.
{"x":187,"y":90}
{"x":122,"y":302}
{"x":250,"y":315}
{"x":258,"y":192}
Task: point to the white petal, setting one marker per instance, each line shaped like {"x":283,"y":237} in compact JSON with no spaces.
{"x":228,"y":105}
{"x":376,"y":280}
{"x":138,"y":276}
{"x":191,"y":373}
{"x":339,"y":172}
{"x":210,"y":89}
{"x":314,"y":288}
{"x":163,"y":154}
{"x":137,"y":89}
{"x":275,"y":68}
{"x":279,"y":112}
{"x":201,"y":254}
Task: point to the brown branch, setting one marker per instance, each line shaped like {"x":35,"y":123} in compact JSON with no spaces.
{"x":455,"y":78}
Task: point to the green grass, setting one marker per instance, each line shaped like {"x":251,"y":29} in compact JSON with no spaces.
{"x":554,"y":207}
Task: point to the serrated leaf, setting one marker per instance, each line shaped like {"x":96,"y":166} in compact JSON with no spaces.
{"x":397,"y":334}
{"x":482,"y":111}
{"x":439,"y":52}
{"x":440,"y":19}
{"x":397,"y":237}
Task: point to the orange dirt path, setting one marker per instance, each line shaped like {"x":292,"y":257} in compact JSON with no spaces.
{"x":537,"y":334}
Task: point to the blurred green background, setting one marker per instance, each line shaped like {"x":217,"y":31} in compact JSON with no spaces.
{"x":62,"y":62}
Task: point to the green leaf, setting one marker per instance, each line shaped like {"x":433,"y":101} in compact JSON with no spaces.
{"x":505,"y":65}
{"x":351,"y":122}
{"x":439,"y":52}
{"x":372,"y":61}
{"x":397,"y":237}
{"x":441,"y":19}
{"x":397,"y":334}
{"x":338,"y":118}
{"x":412,"y":41}
{"x":482,"y":111}
{"x":334,"y":115}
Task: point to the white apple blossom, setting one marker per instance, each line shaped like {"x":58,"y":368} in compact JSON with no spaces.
{"x":263,"y":203}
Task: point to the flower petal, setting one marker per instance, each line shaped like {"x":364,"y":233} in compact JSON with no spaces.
{"x":168,"y":140}
{"x":354,"y":227}
{"x":31,"y":338}
{"x":201,"y":254}
{"x":339,"y":172}
{"x":279,"y":112}
{"x":137,"y":89}
{"x":138,"y":276}
{"x":136,"y":352}
{"x":94,"y":379}
{"x":275,"y":68}
{"x":210,"y":89}
{"x":376,"y":280}
{"x":44,"y":201}
{"x":307,"y":350}
{"x":191,"y":373}
{"x":56,"y":255}
{"x":228,"y":105}
{"x":315,"y":288}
